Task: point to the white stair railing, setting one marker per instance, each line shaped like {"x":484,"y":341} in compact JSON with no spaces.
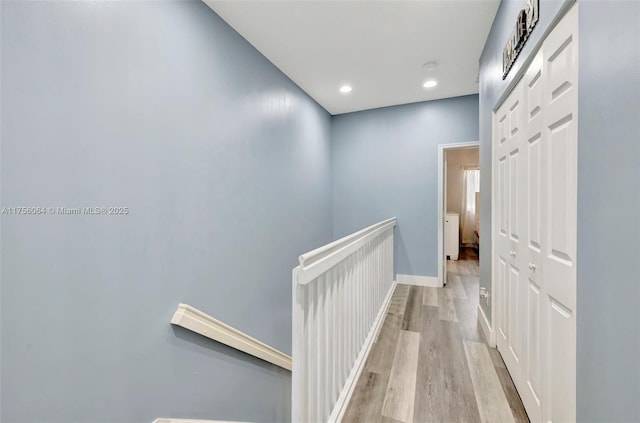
{"x":340,"y":295}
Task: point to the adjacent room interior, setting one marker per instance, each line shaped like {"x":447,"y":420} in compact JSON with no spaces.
{"x":462,"y":193}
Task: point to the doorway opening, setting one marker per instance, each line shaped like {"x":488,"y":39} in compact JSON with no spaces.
{"x":458,"y":205}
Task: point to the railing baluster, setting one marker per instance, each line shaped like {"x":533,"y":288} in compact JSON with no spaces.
{"x":371,"y":282}
{"x":313,"y":358}
{"x":329,"y":342}
{"x":320,"y":359}
{"x":360,"y":282}
{"x":367,"y":293}
{"x":378,"y":269}
{"x":362,"y":296}
{"x":354,"y":309}
{"x":363,"y":283}
{"x":353,"y":323}
{"x":345,"y":322}
{"x":376,"y":272}
{"x":337,"y":351}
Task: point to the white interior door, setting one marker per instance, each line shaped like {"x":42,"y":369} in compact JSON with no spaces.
{"x":535,"y":159}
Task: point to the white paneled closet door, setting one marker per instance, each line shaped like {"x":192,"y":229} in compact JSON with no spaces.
{"x":560,"y":203}
{"x":510,"y":177}
{"x":535,"y":221}
{"x":535,"y":159}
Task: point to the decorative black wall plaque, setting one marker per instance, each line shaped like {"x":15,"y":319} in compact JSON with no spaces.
{"x":527,"y":20}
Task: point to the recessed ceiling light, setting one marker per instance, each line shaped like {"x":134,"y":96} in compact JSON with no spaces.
{"x":430,"y":83}
{"x":345,"y":89}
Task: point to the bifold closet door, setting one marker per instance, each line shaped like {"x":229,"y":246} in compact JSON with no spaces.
{"x":560,"y":71}
{"x":510,"y":206}
{"x":535,"y":159}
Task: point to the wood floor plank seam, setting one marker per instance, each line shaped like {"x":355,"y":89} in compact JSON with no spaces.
{"x":457,"y":290}
{"x":413,"y":311}
{"x":366,"y":403}
{"x":430,"y":296}
{"x":401,"y":389}
{"x":399,"y":299}
{"x":385,"y":346}
{"x":492,"y":401}
{"x":446,"y":308}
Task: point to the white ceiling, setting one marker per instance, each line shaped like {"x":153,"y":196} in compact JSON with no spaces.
{"x":377,"y":47}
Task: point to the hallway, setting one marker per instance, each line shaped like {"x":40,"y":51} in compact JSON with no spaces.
{"x":430,"y":362}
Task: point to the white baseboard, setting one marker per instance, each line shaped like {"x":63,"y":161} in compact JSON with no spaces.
{"x":350,"y":385}
{"x":190,"y":421}
{"x":431,"y":281}
{"x":487,"y":331}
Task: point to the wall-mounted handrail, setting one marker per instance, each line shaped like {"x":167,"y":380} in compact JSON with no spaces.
{"x":197,"y":321}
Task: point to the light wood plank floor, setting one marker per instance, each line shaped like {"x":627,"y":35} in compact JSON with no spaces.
{"x":430,"y":362}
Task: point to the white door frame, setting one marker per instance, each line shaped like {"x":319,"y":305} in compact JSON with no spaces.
{"x":441,"y":205}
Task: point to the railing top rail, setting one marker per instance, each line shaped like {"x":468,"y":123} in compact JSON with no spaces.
{"x":337,"y":250}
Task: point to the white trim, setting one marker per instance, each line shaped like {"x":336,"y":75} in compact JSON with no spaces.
{"x":350,"y":385}
{"x":494,"y":220}
{"x":431,"y":281}
{"x":487,"y":331}
{"x":191,"y":421}
{"x":195,"y":320}
{"x":441,"y":205}
{"x":318,"y":261}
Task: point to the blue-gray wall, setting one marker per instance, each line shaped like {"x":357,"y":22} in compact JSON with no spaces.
{"x":608,"y":309}
{"x":608,"y":316}
{"x":224,"y":165}
{"x":492,"y":86}
{"x":384,"y":164}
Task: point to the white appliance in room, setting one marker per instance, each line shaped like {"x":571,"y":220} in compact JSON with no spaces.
{"x":451,"y":235}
